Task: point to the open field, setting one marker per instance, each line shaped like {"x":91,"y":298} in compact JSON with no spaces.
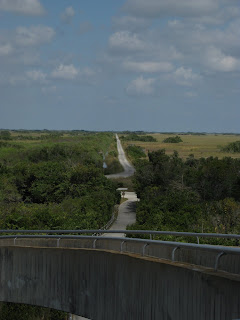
{"x":199,"y":145}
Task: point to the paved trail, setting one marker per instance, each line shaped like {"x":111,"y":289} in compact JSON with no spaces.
{"x":127,"y":210}
{"x":128,"y":168}
{"x":126,"y":215}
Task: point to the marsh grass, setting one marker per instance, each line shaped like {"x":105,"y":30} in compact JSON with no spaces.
{"x":200,"y":145}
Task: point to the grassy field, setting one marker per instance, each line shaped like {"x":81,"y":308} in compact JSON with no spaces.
{"x":199,"y":145}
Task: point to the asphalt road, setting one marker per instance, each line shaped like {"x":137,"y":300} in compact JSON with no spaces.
{"x":128,"y":168}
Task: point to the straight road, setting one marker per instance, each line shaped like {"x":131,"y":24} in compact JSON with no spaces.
{"x":128,"y":168}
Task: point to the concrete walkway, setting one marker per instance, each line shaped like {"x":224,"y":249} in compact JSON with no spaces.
{"x":126,"y":216}
{"x":127,"y":210}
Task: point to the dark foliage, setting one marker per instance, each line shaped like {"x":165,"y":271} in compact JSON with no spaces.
{"x":175,"y":139}
{"x":193,"y":195}
{"x":233,"y":147}
{"x":135,"y":137}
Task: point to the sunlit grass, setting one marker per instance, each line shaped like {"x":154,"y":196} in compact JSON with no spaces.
{"x":199,"y":145}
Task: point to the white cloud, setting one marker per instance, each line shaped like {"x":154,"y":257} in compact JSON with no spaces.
{"x":36,"y":75}
{"x":218,"y":61}
{"x":141,"y":86}
{"x":6,"y":49}
{"x":65,"y":72}
{"x":130,"y":23}
{"x":157,"y":8}
{"x":34,"y":35}
{"x":185,"y":76}
{"x":67,"y":15}
{"x":190,"y":35}
{"x":23,"y":78}
{"x":148,"y":66}
{"x":125,"y":41}
{"x":28,"y":7}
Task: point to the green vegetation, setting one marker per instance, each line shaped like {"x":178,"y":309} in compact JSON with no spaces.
{"x":201,"y":145}
{"x":111,"y":160}
{"x":5,"y":135}
{"x":11,"y":311}
{"x":175,"y":139}
{"x":135,"y":137}
{"x":57,"y":183}
{"x":233,"y":147}
{"x":196,"y":195}
{"x":135,"y":152}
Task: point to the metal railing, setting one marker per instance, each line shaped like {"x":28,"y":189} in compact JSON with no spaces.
{"x":150,"y":233}
{"x":219,"y":251}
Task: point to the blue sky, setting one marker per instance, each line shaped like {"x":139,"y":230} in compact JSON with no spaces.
{"x":156,"y":65}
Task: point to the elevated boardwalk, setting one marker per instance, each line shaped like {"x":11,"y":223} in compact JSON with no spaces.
{"x":120,"y":278}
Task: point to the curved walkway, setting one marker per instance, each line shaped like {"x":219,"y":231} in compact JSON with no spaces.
{"x":126,"y":216}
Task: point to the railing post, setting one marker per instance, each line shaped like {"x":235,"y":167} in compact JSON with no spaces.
{"x":58,"y":240}
{"x":150,"y":236}
{"x":143,"y":250}
{"x":122,"y":243}
{"x":14,"y":242}
{"x":198,"y":240}
{"x":217,"y":260}
{"x":94,"y":243}
{"x":173,"y":253}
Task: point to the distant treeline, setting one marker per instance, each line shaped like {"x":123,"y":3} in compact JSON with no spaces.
{"x":135,"y":137}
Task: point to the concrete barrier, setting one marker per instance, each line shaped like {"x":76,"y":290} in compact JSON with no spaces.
{"x":196,"y":255}
{"x":104,"y":285}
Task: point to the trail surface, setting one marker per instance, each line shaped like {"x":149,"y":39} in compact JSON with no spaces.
{"x":128,"y":168}
{"x":127,"y":210}
{"x":126,"y":216}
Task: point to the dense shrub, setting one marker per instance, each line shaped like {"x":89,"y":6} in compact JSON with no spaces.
{"x":135,"y":152}
{"x":5,"y":135}
{"x":233,"y":147}
{"x":135,"y":137}
{"x":175,"y":139}
{"x":200,"y":195}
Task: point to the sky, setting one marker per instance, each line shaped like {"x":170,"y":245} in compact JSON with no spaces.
{"x":155,"y":65}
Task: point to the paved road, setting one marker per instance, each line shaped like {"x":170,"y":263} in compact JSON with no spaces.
{"x":127,"y":212}
{"x":128,"y":168}
{"x":126,"y":215}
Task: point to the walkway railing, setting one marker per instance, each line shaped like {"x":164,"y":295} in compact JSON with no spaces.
{"x":199,"y":254}
{"x":150,"y":233}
